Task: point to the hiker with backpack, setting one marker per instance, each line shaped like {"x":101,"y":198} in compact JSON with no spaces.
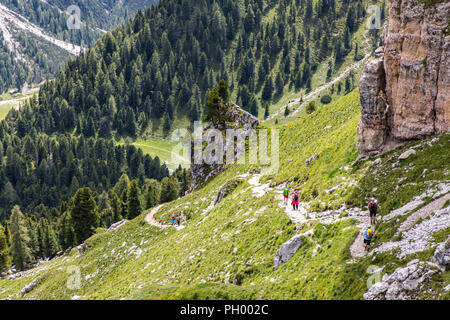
{"x":373,"y":207}
{"x":173,"y":220}
{"x":295,"y":200}
{"x":368,"y":235}
{"x":178,"y":220}
{"x":286,"y":195}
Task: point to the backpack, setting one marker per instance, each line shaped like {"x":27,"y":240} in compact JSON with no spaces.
{"x":286,"y":192}
{"x":369,"y":233}
{"x":373,"y":207}
{"x":296,"y":197}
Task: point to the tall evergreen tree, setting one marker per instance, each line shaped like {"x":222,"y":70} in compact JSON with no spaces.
{"x":4,"y":251}
{"x":84,"y":215}
{"x":134,"y":204}
{"x":20,"y":239}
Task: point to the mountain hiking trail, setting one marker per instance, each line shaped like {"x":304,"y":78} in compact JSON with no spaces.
{"x":150,"y":219}
{"x":313,"y":94}
{"x":357,"y":248}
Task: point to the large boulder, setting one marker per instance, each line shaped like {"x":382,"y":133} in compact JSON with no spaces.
{"x":287,"y":250}
{"x":442,"y":255}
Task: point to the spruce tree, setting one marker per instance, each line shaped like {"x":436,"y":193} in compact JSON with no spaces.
{"x":20,"y":239}
{"x":124,"y":204}
{"x":152,"y":195}
{"x":169,"y":189}
{"x":84,"y":215}
{"x":4,"y":251}
{"x":286,"y":111}
{"x":7,"y":233}
{"x":134,"y":204}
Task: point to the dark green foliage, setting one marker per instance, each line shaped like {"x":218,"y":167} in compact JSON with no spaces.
{"x":4,"y":251}
{"x":39,"y":170}
{"x":134,"y":204}
{"x":152,"y":195}
{"x":311,"y":107}
{"x":167,"y":58}
{"x":47,"y":59}
{"x":325,"y":99}
{"x":217,"y":106}
{"x":84,"y":215}
{"x":169,"y":189}
{"x":20,"y":240}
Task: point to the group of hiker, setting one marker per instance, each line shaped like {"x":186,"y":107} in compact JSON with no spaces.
{"x":295,"y":198}
{"x":176,"y":220}
{"x":368,"y":231}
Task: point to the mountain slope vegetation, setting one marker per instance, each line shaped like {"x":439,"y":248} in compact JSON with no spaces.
{"x":28,"y":58}
{"x":225,"y":251}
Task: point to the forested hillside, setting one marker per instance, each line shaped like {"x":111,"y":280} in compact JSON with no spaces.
{"x":27,"y":58}
{"x":161,"y":64}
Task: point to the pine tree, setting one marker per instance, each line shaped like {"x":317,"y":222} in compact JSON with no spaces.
{"x":311,"y":107}
{"x":134,"y":205}
{"x":268,"y":89}
{"x":4,"y":251}
{"x":217,"y":103}
{"x":20,"y":239}
{"x":65,"y":231}
{"x":7,"y":233}
{"x":84,"y":215}
{"x":152,"y":195}
{"x":169,"y":189}
{"x":286,"y":111}
{"x":124,"y":204}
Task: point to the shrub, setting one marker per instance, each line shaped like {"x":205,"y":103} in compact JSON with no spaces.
{"x":326,"y":99}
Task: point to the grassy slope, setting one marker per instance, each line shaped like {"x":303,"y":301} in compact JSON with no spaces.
{"x":239,"y":237}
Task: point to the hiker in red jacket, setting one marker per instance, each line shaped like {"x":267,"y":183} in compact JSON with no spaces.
{"x":295,"y":200}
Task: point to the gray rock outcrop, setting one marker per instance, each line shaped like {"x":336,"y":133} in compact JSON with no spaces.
{"x":442,"y":255}
{"x":117,"y":225}
{"x":404,"y":283}
{"x":29,"y":287}
{"x":311,"y":159}
{"x":287,"y":250}
{"x":237,"y":118}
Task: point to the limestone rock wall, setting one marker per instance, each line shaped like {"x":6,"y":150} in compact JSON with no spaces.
{"x":409,"y":99}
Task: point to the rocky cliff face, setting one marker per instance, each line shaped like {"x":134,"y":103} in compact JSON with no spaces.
{"x":405,"y":89}
{"x":237,"y":118}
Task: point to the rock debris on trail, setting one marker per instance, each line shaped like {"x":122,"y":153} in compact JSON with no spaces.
{"x":420,"y":237}
{"x":422,"y":213}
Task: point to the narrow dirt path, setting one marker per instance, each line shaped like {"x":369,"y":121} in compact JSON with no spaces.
{"x":150,"y":219}
{"x":357,"y":248}
{"x":313,"y":94}
{"x":422,"y":213}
